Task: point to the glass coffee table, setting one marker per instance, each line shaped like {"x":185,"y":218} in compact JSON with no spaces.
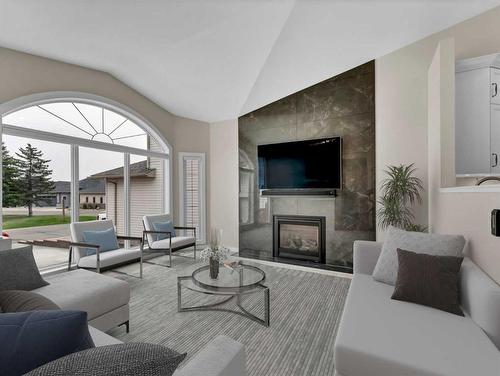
{"x":233,"y":284}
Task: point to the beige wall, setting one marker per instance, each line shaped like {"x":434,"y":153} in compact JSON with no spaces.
{"x":23,"y":74}
{"x":191,"y":136}
{"x":402,"y":133}
{"x":224,"y":179}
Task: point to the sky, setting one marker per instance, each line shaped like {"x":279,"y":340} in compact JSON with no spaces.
{"x":76,"y":120}
{"x":92,"y":161}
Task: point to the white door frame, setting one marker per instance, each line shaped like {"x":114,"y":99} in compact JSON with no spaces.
{"x":202,"y":236}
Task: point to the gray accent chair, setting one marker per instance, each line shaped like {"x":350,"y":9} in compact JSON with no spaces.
{"x":170,"y":243}
{"x":100,"y":261}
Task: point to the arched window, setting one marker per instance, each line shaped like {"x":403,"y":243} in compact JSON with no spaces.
{"x":94,"y":146}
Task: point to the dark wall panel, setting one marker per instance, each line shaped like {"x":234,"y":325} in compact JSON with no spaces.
{"x":340,"y":106}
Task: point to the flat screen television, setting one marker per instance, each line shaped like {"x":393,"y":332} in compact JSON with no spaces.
{"x":304,"y":166}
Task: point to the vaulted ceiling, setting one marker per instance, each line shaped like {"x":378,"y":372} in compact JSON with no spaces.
{"x":217,"y":59}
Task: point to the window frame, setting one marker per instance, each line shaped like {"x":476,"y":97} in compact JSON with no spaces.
{"x":20,"y":103}
{"x":202,"y":236}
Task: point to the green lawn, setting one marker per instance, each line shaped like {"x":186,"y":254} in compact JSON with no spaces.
{"x":22,"y":221}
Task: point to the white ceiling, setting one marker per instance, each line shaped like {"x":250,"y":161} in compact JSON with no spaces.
{"x":217,"y":59}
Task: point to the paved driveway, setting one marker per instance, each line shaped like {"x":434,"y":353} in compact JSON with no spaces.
{"x":40,"y":233}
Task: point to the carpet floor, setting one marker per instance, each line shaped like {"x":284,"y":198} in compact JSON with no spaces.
{"x":305,"y":313}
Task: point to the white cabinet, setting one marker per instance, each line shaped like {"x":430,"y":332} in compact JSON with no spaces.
{"x":477,"y":116}
{"x":495,"y":139}
{"x":495,"y":85}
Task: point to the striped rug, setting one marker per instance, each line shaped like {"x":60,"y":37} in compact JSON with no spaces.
{"x":305,"y":312}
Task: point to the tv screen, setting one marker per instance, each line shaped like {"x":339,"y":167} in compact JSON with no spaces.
{"x":312,"y":164}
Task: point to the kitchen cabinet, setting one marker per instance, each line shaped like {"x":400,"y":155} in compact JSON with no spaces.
{"x":477,"y":116}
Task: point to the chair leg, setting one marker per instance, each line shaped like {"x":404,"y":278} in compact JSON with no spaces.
{"x":140,"y":262}
{"x":69,"y":260}
{"x":194,"y":251}
{"x":170,"y":256}
{"x":127,"y":326}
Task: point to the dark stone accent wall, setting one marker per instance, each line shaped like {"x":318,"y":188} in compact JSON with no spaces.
{"x":340,"y":106}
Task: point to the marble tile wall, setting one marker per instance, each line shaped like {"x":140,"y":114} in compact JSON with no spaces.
{"x":340,"y":106}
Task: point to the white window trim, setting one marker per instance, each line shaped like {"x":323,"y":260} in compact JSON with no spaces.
{"x":74,"y":142}
{"x":203,"y":224}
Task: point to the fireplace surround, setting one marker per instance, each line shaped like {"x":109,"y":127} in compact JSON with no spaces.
{"x":299,"y":237}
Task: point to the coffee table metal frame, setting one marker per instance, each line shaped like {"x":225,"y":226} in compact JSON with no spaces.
{"x":232,"y":292}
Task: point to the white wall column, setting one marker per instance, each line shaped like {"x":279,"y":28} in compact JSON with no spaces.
{"x":126,"y":194}
{"x":75,"y":184}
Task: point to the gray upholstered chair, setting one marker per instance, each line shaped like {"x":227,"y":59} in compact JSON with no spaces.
{"x":169,"y":243}
{"x":99,"y":261}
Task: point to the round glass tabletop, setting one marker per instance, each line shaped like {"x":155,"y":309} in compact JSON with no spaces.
{"x":244,"y":277}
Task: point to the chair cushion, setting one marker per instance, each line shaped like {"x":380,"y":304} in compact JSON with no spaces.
{"x":106,"y":239}
{"x":22,"y":301}
{"x":87,"y":291}
{"x":178,"y":241}
{"x":110,"y":258}
{"x":164,"y":226}
{"x":386,"y":269}
{"x":128,"y":359}
{"x":18,"y":270}
{"x":31,"y":339}
{"x":383,"y":337}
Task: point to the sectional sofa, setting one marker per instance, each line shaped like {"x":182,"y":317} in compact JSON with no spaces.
{"x":383,"y":337}
{"x":106,"y":301}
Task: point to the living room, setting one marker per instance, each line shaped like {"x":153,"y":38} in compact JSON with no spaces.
{"x":317,"y":195}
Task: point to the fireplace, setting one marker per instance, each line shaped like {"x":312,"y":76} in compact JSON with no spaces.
{"x":299,"y":237}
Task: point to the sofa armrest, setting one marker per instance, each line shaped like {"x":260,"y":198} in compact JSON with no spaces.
{"x":220,"y":357}
{"x":365,"y":256}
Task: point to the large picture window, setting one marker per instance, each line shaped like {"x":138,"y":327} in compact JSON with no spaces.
{"x":82,"y":147}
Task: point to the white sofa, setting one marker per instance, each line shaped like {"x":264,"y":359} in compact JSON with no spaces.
{"x":105,"y":299}
{"x":382,"y":337}
{"x":222,"y":356}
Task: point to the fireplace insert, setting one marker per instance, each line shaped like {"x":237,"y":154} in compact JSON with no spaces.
{"x":299,"y":237}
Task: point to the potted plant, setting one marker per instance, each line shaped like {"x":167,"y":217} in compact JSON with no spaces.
{"x":400,"y":190}
{"x":215,"y":253}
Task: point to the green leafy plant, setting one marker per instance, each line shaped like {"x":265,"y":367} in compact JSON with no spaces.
{"x":400,"y":190}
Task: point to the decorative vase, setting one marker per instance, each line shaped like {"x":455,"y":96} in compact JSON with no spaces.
{"x":214,"y":267}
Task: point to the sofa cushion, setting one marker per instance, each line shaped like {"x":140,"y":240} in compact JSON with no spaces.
{"x":87,"y":291}
{"x":106,"y":239}
{"x":31,"y":339}
{"x":130,"y":359}
{"x":429,"y":280}
{"x":18,"y":270}
{"x":166,"y":227}
{"x":178,"y":241}
{"x":22,"y":301}
{"x":480,"y":298}
{"x":383,"y":337}
{"x":102,"y":339}
{"x":386,"y":269}
{"x":110,"y":258}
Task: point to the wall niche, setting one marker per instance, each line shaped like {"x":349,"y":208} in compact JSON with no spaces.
{"x":344,"y":106}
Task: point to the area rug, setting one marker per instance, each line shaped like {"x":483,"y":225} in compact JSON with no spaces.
{"x":305,"y":311}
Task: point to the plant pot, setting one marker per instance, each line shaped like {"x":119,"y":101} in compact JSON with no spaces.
{"x":214,"y":268}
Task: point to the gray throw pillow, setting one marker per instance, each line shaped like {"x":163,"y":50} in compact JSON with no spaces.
{"x":386,"y":269}
{"x":18,"y":270}
{"x":429,"y":280}
{"x":129,"y":359}
{"x":23,"y":301}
